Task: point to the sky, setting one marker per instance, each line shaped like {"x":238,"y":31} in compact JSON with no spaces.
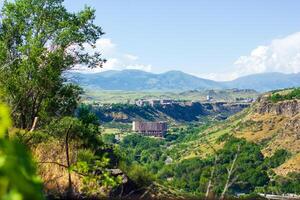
{"x":215,"y":39}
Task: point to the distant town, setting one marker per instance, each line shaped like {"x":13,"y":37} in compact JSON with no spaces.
{"x":209,"y":99}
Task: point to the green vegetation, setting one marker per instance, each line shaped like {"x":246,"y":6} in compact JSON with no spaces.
{"x":18,"y":179}
{"x":251,"y":170}
{"x":39,"y":41}
{"x":293,"y":94}
{"x":186,"y":158}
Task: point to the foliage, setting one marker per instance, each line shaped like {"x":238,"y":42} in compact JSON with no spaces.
{"x":90,"y":160}
{"x":85,"y":114}
{"x":251,"y":170}
{"x":109,"y":139}
{"x":289,"y":184}
{"x":93,"y":168}
{"x":283,"y":184}
{"x":18,"y":178}
{"x":139,"y":174}
{"x":193,"y":175}
{"x":39,"y":40}
{"x":248,"y":166}
{"x":294,"y":94}
{"x":5,"y":122}
{"x":85,"y":134}
{"x":65,"y":101}
{"x":277,"y":158}
{"x":141,"y":149}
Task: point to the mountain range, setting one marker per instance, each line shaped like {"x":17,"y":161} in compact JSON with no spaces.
{"x":137,"y":80}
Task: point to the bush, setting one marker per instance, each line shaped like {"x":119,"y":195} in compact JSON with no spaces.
{"x":294,"y":94}
{"x":139,"y":175}
{"x":277,"y":159}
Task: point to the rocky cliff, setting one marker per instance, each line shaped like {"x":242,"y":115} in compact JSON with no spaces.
{"x":287,"y":108}
{"x":177,"y":112}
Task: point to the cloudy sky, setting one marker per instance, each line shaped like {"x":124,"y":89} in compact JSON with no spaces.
{"x":214,"y":39}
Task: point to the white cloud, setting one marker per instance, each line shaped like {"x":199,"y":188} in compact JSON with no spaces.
{"x":282,"y":55}
{"x":105,"y":45}
{"x":130,"y":57}
{"x":111,"y":64}
{"x":227,"y":76}
{"x":116,"y":60}
{"x":147,"y":68}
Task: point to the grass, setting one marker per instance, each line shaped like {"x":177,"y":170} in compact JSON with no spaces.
{"x":290,"y":165}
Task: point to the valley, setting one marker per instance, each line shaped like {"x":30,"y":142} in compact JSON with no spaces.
{"x":268,"y":132}
{"x":172,"y":100}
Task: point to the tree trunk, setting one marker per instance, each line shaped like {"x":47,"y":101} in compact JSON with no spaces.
{"x":34,"y":124}
{"x":210,"y":185}
{"x":230,"y":172}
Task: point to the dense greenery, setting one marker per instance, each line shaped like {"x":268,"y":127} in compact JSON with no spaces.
{"x":251,"y":170}
{"x":294,"y":94}
{"x":39,"y":40}
{"x":288,"y":184}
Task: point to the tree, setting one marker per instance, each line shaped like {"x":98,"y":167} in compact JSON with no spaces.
{"x":39,"y":40}
{"x":230,"y":179}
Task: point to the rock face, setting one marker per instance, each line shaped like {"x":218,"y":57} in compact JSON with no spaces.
{"x":293,"y":125}
{"x":279,"y":125}
{"x":285,"y":108}
{"x":179,"y":112}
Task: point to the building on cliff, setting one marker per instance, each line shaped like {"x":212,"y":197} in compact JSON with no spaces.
{"x":157,"y":129}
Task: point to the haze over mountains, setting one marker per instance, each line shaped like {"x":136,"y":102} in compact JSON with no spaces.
{"x":137,"y":80}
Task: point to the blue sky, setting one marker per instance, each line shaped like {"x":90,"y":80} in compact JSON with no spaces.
{"x":217,"y":39}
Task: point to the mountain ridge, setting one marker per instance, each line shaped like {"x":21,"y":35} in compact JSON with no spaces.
{"x":138,"y":80}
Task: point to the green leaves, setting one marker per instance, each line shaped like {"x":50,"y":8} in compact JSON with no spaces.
{"x":4,"y":119}
{"x":294,"y":94}
{"x":18,"y":179}
{"x":39,"y":40}
{"x":17,"y":171}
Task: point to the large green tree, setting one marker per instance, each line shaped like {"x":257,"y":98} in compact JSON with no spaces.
{"x":39,"y":40}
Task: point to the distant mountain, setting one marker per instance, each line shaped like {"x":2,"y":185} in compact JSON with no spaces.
{"x":136,"y":80}
{"x":265,"y":81}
